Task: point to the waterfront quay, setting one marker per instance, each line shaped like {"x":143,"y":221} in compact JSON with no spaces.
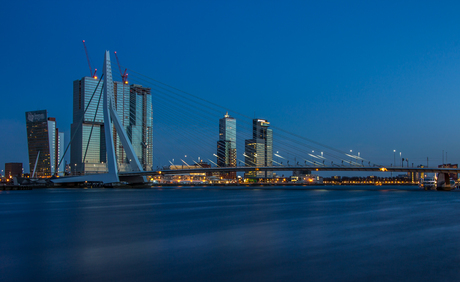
{"x":14,"y":187}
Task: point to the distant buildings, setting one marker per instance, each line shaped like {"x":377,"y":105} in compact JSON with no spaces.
{"x":259,"y":149}
{"x":45,"y":144}
{"x":13,"y":170}
{"x":226,"y":146}
{"x":134,"y":108}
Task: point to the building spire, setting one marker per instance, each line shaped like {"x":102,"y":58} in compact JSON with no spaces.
{"x":226,"y":115}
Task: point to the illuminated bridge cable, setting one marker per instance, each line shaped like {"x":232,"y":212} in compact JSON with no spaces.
{"x":297,"y":146}
{"x":224,"y":108}
{"x":194,"y":137}
{"x":171,"y":101}
{"x":81,"y":121}
{"x":297,"y":152}
{"x":164,"y":90}
{"x":309,"y":140}
{"x":178,"y":132}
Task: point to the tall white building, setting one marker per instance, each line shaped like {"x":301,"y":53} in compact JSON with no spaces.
{"x":60,"y":153}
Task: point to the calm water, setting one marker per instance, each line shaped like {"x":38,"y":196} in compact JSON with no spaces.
{"x":347,"y":234}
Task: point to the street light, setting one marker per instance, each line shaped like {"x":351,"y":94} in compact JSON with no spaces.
{"x":351,"y":157}
{"x":394,"y":157}
{"x":400,"y":158}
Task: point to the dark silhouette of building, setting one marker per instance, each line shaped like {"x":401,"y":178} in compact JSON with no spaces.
{"x":13,"y":170}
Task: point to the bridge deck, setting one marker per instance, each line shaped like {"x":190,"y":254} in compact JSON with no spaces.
{"x":293,"y":168}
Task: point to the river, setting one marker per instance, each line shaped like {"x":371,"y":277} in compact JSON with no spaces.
{"x":230,"y":234}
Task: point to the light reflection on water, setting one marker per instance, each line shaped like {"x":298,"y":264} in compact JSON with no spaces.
{"x":345,"y":233}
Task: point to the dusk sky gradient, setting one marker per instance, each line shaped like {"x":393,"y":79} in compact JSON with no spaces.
{"x":372,"y":76}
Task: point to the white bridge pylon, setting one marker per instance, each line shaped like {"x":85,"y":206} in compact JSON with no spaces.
{"x":110,"y":116}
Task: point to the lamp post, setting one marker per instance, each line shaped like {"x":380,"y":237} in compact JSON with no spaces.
{"x":351,"y":158}
{"x":394,"y":157}
{"x":400,"y":158}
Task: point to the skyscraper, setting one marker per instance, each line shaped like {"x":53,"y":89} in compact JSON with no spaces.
{"x":140,"y":128}
{"x":259,"y":149}
{"x":60,"y":153}
{"x":134,"y":108}
{"x":226,"y":146}
{"x":87,"y":126}
{"x":121,"y":93}
{"x":43,"y":139}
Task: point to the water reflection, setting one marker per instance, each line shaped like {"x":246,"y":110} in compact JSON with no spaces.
{"x":228,"y":234}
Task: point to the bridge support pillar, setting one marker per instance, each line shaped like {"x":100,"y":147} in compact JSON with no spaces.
{"x":138,"y":179}
{"x":443,"y":182}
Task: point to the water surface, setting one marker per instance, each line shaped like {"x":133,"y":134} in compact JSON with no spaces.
{"x":202,"y":234}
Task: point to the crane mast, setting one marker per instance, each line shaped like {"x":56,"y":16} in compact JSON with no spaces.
{"x":89,"y":63}
{"x":124,"y":75}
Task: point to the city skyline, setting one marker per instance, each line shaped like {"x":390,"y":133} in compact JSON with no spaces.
{"x":370,"y":78}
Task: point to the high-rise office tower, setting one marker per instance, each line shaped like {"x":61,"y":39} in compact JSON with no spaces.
{"x":140,"y":128}
{"x":60,"y":153}
{"x":259,"y":149}
{"x":121,"y":93}
{"x":90,"y":157}
{"x":134,"y":107}
{"x":87,"y":157}
{"x":43,"y":139}
{"x":226,"y":146}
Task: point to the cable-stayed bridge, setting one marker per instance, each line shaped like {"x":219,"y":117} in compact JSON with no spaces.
{"x":185,"y":132}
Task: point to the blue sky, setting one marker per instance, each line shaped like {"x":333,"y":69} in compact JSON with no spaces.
{"x":372,"y":76}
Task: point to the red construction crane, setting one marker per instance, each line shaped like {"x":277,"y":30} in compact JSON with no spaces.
{"x":87,"y":57}
{"x":124,"y":75}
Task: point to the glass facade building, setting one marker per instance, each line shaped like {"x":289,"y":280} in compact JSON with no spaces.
{"x":134,"y":108}
{"x":60,"y":153}
{"x":226,"y":146}
{"x":121,"y":93}
{"x":87,"y":157}
{"x":43,"y":140}
{"x":259,"y":149}
{"x":140,"y":128}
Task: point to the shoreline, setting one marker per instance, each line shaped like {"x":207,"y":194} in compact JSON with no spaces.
{"x":188,"y":185}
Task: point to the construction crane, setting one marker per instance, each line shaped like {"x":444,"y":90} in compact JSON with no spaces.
{"x":87,"y":57}
{"x":124,"y":75}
